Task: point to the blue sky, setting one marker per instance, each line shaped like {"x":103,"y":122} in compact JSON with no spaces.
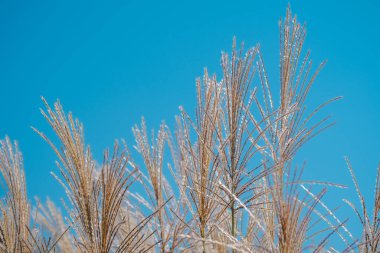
{"x":111,"y":62}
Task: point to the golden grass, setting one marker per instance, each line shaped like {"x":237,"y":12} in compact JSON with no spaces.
{"x":224,"y":181}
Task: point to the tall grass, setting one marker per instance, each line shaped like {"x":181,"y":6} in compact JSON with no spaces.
{"x":225,"y":180}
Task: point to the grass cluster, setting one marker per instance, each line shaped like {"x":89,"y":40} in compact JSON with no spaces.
{"x":224,"y":180}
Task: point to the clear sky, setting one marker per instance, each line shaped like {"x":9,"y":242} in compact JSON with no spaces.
{"x":111,"y":62}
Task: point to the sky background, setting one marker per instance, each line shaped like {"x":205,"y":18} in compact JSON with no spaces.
{"x":111,"y":62}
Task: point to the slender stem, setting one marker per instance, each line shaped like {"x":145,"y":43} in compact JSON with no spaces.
{"x":233,"y":223}
{"x":203,"y":238}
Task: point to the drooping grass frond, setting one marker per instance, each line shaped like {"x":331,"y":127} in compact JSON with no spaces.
{"x":77,"y":168}
{"x":96,"y":194}
{"x":15,"y":209}
{"x":287,"y":133}
{"x":200,"y":159}
{"x":17,"y":234}
{"x":236,"y":133}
